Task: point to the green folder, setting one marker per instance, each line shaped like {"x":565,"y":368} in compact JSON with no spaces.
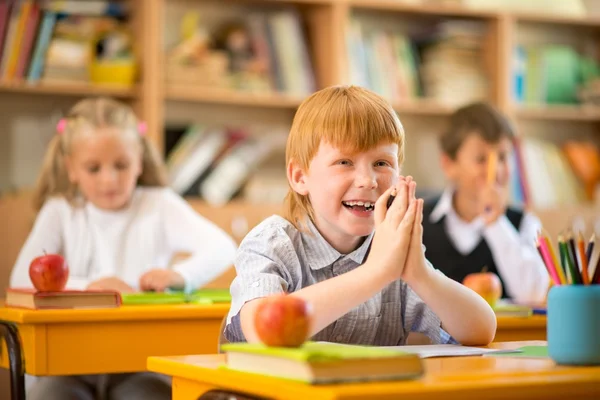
{"x":525,"y":352}
{"x":201,"y":296}
{"x":209,"y":296}
{"x":152,"y":298}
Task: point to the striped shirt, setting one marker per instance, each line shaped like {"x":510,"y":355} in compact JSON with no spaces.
{"x":275,"y":257}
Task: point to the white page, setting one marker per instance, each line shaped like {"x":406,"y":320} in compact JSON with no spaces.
{"x":446,"y":350}
{"x":440,"y":350}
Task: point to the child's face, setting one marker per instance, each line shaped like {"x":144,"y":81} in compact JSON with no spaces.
{"x":468,"y":172}
{"x":105,"y":167}
{"x":339,"y":185}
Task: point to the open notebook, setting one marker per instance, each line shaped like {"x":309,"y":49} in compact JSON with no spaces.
{"x":440,"y":350}
{"x":448,"y":350}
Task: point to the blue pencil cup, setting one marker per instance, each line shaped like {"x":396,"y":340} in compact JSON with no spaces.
{"x":574,"y":324}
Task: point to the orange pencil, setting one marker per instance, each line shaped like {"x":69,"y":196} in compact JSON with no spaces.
{"x":542,"y":246}
{"x":492,"y":167}
{"x":584,"y":262}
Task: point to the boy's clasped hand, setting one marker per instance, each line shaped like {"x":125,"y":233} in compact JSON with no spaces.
{"x":396,"y":248}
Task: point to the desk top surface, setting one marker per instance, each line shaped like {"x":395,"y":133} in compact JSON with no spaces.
{"x":128,"y":313}
{"x":442,"y":375}
{"x":534,"y":321}
{"x":179,"y":311}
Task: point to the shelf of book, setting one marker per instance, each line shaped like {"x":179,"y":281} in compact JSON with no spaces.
{"x":559,"y":113}
{"x":230,"y":97}
{"x":69,"y":89}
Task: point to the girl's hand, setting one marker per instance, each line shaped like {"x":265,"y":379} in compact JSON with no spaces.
{"x":160,"y":279}
{"x":111,"y":283}
{"x":393,"y":228}
{"x":415,"y":261}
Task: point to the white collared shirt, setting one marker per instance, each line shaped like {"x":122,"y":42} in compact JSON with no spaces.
{"x":514,"y":253}
{"x":275,"y":257}
{"x":156,"y":225}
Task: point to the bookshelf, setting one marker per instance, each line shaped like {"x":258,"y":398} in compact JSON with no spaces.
{"x":70,"y":89}
{"x":154,"y":23}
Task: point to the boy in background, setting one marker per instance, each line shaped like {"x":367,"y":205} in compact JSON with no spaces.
{"x":470,"y":227}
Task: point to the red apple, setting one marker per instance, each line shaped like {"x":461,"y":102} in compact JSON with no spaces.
{"x":282,"y":321}
{"x":486,"y":284}
{"x":49,"y":273}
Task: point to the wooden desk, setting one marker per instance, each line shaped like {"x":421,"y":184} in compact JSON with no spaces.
{"x":521,"y":328}
{"x":445,"y":378}
{"x":95,"y":341}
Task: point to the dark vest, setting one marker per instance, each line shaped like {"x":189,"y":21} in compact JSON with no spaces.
{"x":440,"y":250}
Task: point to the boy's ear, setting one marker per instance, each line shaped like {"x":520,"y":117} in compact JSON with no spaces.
{"x":297,"y":178}
{"x":448,"y":165}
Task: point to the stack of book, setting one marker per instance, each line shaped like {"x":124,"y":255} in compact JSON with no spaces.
{"x":322,"y":363}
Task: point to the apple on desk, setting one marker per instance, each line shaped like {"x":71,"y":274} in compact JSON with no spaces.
{"x":486,"y":284}
{"x":49,"y":273}
{"x":282,"y":321}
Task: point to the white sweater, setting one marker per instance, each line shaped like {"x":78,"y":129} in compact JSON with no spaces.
{"x":98,"y":243}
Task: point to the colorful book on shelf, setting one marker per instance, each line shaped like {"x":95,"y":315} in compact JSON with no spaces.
{"x":36,"y":65}
{"x":5,"y":11}
{"x":233,"y":169}
{"x":10,"y":36}
{"x":319,"y":363}
{"x":201,"y":296}
{"x":31,"y":28}
{"x":17,"y":40}
{"x":65,"y":299}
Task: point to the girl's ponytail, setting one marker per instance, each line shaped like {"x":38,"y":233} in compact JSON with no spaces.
{"x":53,"y":179}
{"x":153,"y":168}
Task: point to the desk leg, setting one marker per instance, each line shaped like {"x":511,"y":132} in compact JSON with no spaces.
{"x":17,"y":369}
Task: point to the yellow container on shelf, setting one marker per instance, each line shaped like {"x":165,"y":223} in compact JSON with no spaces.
{"x":113,"y":72}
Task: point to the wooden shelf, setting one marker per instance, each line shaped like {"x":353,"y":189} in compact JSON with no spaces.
{"x":228,"y":97}
{"x":559,"y":113}
{"x":422,"y":107}
{"x":425,"y":9}
{"x":69,"y":89}
{"x":550,"y":19}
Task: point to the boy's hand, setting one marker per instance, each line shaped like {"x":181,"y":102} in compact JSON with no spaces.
{"x":160,"y":279}
{"x":415,"y":261}
{"x":111,"y":283}
{"x":493,"y":202}
{"x":393,"y":228}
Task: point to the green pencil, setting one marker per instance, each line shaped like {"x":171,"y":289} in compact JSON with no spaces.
{"x":575,"y":277}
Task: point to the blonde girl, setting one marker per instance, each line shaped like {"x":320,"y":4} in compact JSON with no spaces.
{"x":104,"y":206}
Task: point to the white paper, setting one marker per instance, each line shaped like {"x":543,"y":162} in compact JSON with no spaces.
{"x":446,"y":350}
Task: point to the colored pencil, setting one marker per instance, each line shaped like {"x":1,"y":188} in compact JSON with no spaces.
{"x":584,"y":263}
{"x":590,"y":249}
{"x":596,"y":277}
{"x":572,"y":259}
{"x":545,"y":254}
{"x":559,"y":271}
{"x":573,"y":250}
{"x":563,"y":260}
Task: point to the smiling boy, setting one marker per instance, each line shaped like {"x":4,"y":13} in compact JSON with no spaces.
{"x":358,"y":264}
